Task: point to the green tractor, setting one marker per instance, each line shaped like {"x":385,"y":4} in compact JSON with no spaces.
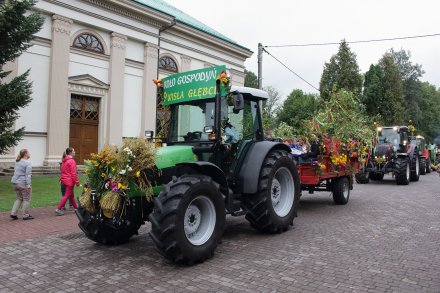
{"x":216,"y":162}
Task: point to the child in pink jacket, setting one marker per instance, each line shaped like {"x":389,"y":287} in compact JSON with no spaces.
{"x":69,"y":179}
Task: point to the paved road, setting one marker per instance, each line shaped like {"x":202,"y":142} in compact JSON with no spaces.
{"x":386,"y":239}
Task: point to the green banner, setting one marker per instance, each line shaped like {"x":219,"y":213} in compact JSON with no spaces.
{"x":191,"y":85}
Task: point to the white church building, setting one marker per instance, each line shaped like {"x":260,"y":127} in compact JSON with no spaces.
{"x":92,"y":66}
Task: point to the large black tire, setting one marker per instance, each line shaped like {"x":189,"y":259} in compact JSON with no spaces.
{"x":422,"y":166}
{"x":402,"y":171}
{"x":105,"y":231}
{"x":188,"y":219}
{"x":376,"y":176}
{"x":363,"y":177}
{"x":273,"y":208}
{"x":428,"y":166}
{"x":415,"y":168}
{"x":341,"y":190}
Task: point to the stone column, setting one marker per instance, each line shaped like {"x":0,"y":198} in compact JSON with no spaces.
{"x":8,"y":158}
{"x":237,"y":77}
{"x":149,"y":88}
{"x":185,"y":63}
{"x":58,"y":112}
{"x":116,"y":94}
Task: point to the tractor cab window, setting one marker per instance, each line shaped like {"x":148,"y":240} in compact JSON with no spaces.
{"x":243,"y":125}
{"x":189,"y":120}
{"x":389,"y":135}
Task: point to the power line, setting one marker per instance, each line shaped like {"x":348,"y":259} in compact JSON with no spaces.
{"x":296,"y":74}
{"x":354,"y":42}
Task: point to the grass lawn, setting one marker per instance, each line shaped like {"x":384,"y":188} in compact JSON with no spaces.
{"x":45,"y":192}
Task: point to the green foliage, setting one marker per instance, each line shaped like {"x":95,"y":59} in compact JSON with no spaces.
{"x":16,"y":32}
{"x":391,"y":108}
{"x":271,"y":107}
{"x":341,"y":117}
{"x":284,"y":131}
{"x":250,"y":79}
{"x":342,"y":72}
{"x":429,"y":126}
{"x":373,"y":91}
{"x":298,"y":107}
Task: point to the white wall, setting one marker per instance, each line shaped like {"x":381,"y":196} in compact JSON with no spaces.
{"x":37,"y":148}
{"x":34,"y":116}
{"x":46,"y":29}
{"x":80,"y":64}
{"x":132,"y":108}
{"x":134,"y":50}
{"x":197,"y":64}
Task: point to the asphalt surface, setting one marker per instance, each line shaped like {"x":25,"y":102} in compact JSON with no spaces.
{"x":386,"y":239}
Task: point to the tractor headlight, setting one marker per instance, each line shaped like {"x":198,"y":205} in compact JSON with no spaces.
{"x":404,"y":142}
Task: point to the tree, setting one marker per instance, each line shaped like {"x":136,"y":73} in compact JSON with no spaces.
{"x":342,"y":72}
{"x":430,"y":106}
{"x":373,"y":91}
{"x":250,"y":79}
{"x":412,"y":87}
{"x":16,"y":32}
{"x":271,"y":106}
{"x":298,"y":107}
{"x":392,"y":110}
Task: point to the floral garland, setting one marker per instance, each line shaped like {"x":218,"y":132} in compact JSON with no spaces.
{"x":225,"y":81}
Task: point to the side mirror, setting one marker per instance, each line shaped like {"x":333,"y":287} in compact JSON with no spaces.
{"x":238,"y":102}
{"x":149,"y":134}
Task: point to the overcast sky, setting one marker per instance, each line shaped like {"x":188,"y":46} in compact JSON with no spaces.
{"x":280,"y":22}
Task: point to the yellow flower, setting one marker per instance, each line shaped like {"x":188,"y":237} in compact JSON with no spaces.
{"x":138,"y":174}
{"x":121,"y":186}
{"x":85,"y":189}
{"x":102,"y":175}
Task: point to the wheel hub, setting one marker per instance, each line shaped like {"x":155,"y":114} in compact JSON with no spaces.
{"x":276,"y":192}
{"x":192,"y":219}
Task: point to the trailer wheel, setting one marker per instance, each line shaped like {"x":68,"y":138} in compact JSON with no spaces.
{"x":273,"y":208}
{"x":423,"y":166}
{"x":188,"y":219}
{"x":362,"y":177}
{"x":415,"y":170}
{"x":104,"y":230}
{"x":402,"y":171}
{"x":341,"y":191}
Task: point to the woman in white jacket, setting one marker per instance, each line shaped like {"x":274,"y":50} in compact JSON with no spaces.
{"x":22,"y":184}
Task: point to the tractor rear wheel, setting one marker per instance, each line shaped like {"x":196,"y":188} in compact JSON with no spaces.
{"x":273,"y":208}
{"x":422,"y":166}
{"x":428,"y":166}
{"x":101,"y":229}
{"x":341,"y":191}
{"x":402,"y":171}
{"x":376,"y":176}
{"x":415,"y":168}
{"x":188,"y":219}
{"x":363,"y":177}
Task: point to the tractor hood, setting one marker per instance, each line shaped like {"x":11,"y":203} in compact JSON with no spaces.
{"x":171,"y":155}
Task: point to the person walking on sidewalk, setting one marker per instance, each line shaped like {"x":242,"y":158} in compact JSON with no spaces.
{"x":22,"y":184}
{"x":69,"y":179}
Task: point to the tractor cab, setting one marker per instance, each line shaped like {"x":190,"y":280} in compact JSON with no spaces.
{"x":392,"y":139}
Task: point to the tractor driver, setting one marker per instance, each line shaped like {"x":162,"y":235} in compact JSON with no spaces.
{"x":231,"y":133}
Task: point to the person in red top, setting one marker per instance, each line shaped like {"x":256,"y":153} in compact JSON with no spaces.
{"x":69,"y":178}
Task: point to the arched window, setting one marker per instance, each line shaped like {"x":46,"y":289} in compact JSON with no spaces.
{"x":89,"y":42}
{"x":167,"y":63}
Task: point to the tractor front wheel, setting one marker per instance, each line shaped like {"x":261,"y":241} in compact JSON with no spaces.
{"x":402,"y":171}
{"x":188,"y":219}
{"x":111,"y":231}
{"x":363,"y":177}
{"x":273,"y":208}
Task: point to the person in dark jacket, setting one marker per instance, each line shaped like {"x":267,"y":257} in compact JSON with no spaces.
{"x":22,"y":184}
{"x":69,"y":179}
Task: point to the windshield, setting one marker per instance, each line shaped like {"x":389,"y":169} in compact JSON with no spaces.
{"x":188,"y":121}
{"x":389,"y":135}
{"x":243,"y":125}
